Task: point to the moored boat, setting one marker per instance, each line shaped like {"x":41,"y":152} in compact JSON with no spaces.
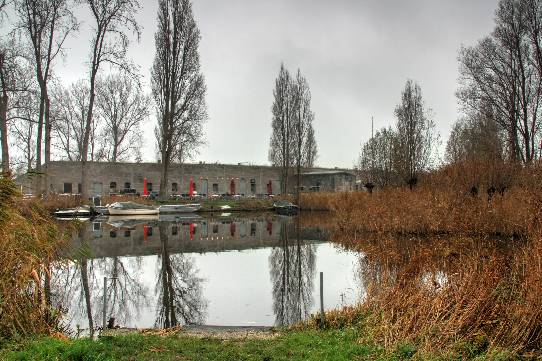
{"x":77,"y":212}
{"x":285,"y":207}
{"x":131,"y":208}
{"x":179,"y":208}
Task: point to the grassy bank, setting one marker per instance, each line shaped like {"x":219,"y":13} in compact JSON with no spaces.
{"x":346,"y":344}
{"x":29,"y":243}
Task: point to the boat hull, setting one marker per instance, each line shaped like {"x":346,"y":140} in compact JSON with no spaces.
{"x":179,"y":208}
{"x":132,"y":212}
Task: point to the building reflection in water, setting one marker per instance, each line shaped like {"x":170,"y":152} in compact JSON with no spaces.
{"x":118,"y":248}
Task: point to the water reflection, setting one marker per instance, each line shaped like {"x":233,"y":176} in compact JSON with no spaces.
{"x":179,"y":287}
{"x":155,"y":277}
{"x":292,"y":267}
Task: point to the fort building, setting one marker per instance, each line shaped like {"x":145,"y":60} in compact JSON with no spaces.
{"x":106,"y":178}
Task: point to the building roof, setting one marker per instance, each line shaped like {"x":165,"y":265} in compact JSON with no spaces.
{"x":328,"y":172}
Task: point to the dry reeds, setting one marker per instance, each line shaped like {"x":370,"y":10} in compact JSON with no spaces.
{"x":29,"y":242}
{"x":443,"y":266}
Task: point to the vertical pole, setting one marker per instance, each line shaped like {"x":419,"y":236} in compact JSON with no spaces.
{"x":323,"y":315}
{"x":105,"y":303}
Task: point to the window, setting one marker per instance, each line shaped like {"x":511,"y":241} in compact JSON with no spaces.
{"x":253,"y":229}
{"x":113,"y":234}
{"x":174,"y":187}
{"x":128,"y":185}
{"x":194,"y":185}
{"x":127,"y":233}
{"x":215,"y":187}
{"x":253,"y":186}
{"x":96,"y":226}
{"x":174,"y":230}
{"x":79,"y":188}
{"x":67,"y":187}
{"x":113,"y":186}
{"x":149,"y":231}
{"x":149,"y":187}
{"x":215,"y":228}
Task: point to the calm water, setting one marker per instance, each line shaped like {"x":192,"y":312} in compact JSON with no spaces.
{"x":219,"y":269}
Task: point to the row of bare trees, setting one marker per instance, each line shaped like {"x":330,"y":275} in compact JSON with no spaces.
{"x":97,"y":117}
{"x":501,"y":88}
{"x":292,"y":144}
{"x":398,"y":156}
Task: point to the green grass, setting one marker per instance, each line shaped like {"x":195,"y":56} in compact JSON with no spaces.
{"x":306,"y":345}
{"x":300,"y":345}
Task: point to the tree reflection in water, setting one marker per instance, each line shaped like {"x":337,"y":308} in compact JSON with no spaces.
{"x":292,"y":267}
{"x":78,"y":287}
{"x":179,"y":288}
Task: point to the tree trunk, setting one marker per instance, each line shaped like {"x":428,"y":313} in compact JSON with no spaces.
{"x":86,"y":139}
{"x":86,"y":291}
{"x":48,"y":129}
{"x":39,"y":141}
{"x":164,"y":177}
{"x":4,"y":133}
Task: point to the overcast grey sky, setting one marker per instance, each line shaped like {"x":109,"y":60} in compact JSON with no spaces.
{"x":356,"y":55}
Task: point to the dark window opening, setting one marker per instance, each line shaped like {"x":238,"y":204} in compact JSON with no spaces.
{"x":174,"y":187}
{"x":127,"y":185}
{"x":113,"y":234}
{"x":149,"y":231}
{"x":67,"y":187}
{"x":215,"y":228}
{"x":149,"y":187}
{"x":96,"y":226}
{"x":113,"y":186}
{"x":253,"y":229}
{"x":79,"y":188}
{"x":174,"y":230}
{"x":215,"y":187}
{"x":127,"y":233}
{"x":253,"y":186}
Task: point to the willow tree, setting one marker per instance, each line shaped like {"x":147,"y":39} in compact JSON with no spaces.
{"x":178,"y":86}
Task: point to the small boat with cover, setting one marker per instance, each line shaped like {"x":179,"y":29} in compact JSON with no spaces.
{"x":131,"y":208}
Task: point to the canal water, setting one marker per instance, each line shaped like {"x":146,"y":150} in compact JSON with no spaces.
{"x":217,"y":269}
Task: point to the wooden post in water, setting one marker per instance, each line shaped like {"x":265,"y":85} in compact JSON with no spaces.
{"x":105,"y":304}
{"x":322,"y":314}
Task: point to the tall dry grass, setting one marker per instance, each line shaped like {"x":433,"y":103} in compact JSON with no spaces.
{"x":29,"y":242}
{"x":442,"y":267}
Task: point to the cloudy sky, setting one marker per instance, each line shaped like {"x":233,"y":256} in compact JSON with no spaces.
{"x":356,"y":55}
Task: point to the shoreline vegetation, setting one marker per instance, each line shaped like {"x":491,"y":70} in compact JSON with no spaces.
{"x":447,"y":273}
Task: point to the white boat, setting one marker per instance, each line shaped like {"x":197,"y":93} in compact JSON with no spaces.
{"x":78,"y":212}
{"x":179,"y":208}
{"x":130,"y":209}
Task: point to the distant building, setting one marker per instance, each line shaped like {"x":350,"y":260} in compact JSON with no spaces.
{"x":106,"y":178}
{"x":326,"y":181}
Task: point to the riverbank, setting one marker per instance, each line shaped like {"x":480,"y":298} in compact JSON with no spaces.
{"x":344,"y":344}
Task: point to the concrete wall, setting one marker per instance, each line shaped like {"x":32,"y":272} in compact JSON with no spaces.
{"x":208,"y":178}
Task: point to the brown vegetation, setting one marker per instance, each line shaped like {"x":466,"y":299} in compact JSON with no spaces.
{"x":444,"y":268}
{"x":29,"y":242}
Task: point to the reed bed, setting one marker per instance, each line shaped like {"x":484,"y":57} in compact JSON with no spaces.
{"x":443,"y":268}
{"x":29,"y":242}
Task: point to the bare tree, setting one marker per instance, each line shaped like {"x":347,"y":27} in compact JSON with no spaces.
{"x":416,"y":136}
{"x":69,"y":112}
{"x":13,"y":84}
{"x":113,"y":19}
{"x":122,"y":108}
{"x":304,"y":144}
{"x":23,"y":126}
{"x":47,"y":24}
{"x":178,"y":85}
{"x":376,"y":159}
{"x":505,"y":70}
{"x":280,"y":144}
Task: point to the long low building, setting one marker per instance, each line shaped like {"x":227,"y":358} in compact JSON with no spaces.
{"x":106,"y":178}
